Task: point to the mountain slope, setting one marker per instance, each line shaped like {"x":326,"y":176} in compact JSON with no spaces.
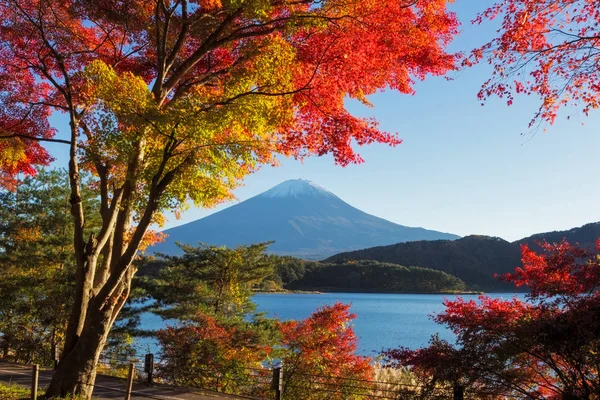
{"x":473,"y":259}
{"x":304,"y":220}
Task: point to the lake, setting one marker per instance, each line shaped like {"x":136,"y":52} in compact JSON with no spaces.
{"x":382,"y":320}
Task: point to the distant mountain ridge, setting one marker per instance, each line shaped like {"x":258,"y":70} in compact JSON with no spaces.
{"x":585,"y":235}
{"x":304,"y":219}
{"x":474,"y":259}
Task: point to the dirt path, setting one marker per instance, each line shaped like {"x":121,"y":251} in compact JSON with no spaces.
{"x":107,"y":387}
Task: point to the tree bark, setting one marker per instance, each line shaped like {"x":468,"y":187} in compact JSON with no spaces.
{"x":76,"y":372}
{"x":77,"y":316}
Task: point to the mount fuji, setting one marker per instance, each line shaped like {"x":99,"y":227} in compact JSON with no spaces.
{"x":302,"y":218}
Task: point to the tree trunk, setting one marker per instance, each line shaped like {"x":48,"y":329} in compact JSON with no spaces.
{"x":76,"y":371}
{"x":6,"y":347}
{"x":100,"y":295}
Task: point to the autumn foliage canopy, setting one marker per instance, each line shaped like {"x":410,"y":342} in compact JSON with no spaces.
{"x":549,"y":48}
{"x":217,"y":86}
{"x":317,"y":355}
{"x":320,"y":356}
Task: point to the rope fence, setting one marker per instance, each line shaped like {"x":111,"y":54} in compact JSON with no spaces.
{"x":279,"y":383}
{"x":253,"y":383}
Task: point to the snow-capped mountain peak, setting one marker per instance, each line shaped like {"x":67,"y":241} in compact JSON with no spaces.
{"x":296,"y":188}
{"x":302,"y":218}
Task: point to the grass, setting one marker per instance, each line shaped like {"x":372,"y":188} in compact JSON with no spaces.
{"x":12,"y":391}
{"x":399,"y":381}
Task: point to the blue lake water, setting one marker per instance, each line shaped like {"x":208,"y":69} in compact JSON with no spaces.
{"x":382,"y":320}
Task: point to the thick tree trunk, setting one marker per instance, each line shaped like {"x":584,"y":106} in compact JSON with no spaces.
{"x":76,"y":371}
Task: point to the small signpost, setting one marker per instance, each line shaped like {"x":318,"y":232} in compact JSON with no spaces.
{"x":55,"y":355}
{"x":459,"y":392}
{"x":278,"y":382}
{"x":149,"y":367}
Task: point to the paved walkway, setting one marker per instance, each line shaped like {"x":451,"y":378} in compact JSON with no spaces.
{"x":108,"y":387}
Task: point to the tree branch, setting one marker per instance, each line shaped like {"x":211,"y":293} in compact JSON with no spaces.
{"x":37,"y":139}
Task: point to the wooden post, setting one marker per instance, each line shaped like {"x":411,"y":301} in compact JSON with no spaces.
{"x":459,"y":392}
{"x":278,"y":382}
{"x":34,"y":381}
{"x":130,"y":381}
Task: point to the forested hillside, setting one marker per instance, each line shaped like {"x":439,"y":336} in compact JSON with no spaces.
{"x":373,"y":276}
{"x":474,"y":259}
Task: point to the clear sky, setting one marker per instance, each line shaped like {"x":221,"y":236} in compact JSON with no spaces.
{"x":463,"y":168}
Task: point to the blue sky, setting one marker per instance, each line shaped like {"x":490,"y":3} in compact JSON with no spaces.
{"x":462,"y":168}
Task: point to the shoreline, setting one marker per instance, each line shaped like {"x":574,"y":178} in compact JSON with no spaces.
{"x":354,"y":291}
{"x":285,"y":291}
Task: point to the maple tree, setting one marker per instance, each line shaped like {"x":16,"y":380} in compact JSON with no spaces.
{"x":549,"y":48}
{"x":223,"y":355}
{"x":319,"y":357}
{"x":544,"y":347}
{"x":171,"y":101}
{"x":235,"y":355}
